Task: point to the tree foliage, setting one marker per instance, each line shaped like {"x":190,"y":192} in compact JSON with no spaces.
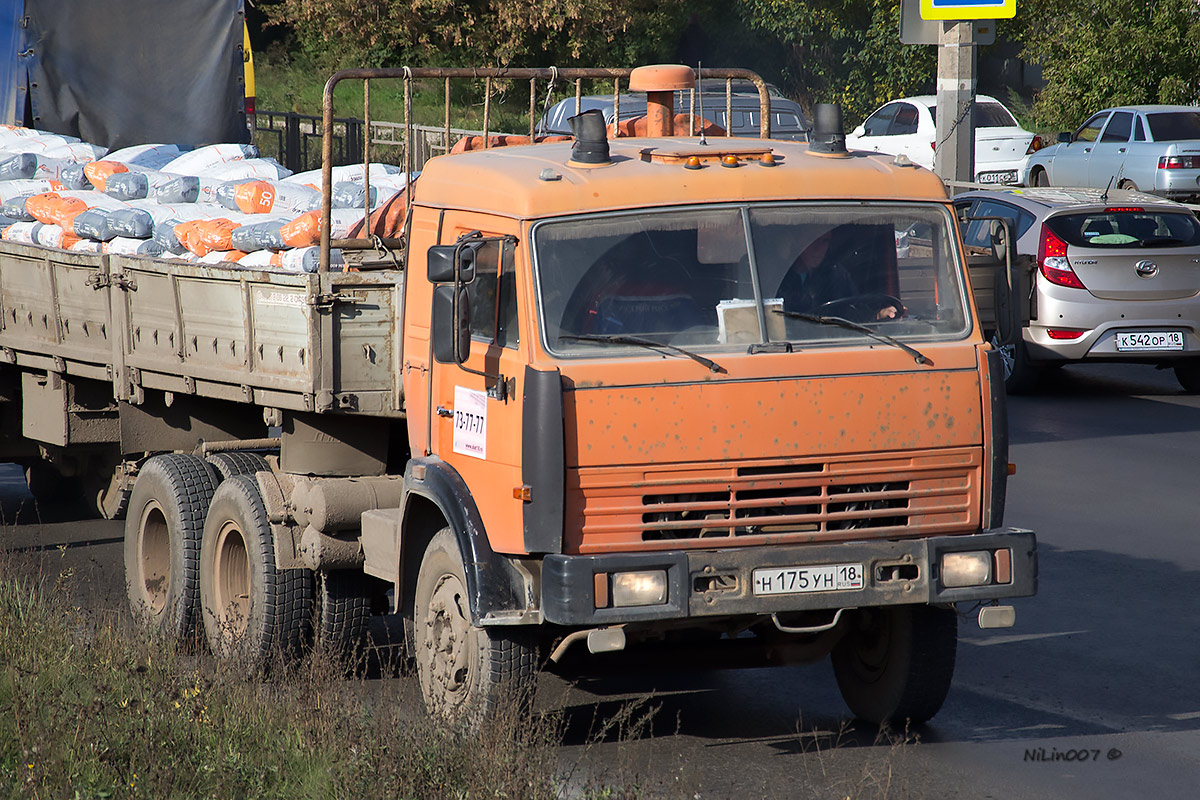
{"x":843,"y":51}
{"x":1100,"y":53}
{"x":483,"y":32}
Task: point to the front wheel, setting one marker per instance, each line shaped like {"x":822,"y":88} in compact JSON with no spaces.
{"x":896,"y":662}
{"x":1040,"y":178}
{"x":467,"y":672}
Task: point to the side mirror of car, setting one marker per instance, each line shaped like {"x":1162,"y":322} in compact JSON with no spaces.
{"x":859,"y":131}
{"x":1064,"y":137}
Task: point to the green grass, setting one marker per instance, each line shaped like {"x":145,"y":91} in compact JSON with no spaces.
{"x":90,"y":709}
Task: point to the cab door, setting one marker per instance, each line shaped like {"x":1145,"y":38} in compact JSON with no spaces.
{"x":477,"y":404}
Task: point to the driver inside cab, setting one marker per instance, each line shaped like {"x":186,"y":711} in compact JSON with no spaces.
{"x":819,"y":277}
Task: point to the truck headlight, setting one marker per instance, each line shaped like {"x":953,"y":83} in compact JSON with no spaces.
{"x":972,"y":568}
{"x":639,"y":588}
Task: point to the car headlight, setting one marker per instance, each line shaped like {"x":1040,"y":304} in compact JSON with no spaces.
{"x":972,"y":568}
{"x":639,"y":588}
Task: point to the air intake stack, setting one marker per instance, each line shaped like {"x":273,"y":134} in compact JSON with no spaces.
{"x":660,"y":82}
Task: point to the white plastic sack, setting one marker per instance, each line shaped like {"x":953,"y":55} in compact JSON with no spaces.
{"x":203,"y":159}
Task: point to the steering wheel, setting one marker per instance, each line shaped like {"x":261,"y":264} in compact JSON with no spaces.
{"x":862,"y":307}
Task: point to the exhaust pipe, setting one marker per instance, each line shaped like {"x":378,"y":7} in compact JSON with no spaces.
{"x":591,"y":138}
{"x":828,"y":135}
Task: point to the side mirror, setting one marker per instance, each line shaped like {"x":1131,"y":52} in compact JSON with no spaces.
{"x":451,"y":325}
{"x":1064,"y":137}
{"x":859,"y":131}
{"x":443,"y":260}
{"x":999,"y":238}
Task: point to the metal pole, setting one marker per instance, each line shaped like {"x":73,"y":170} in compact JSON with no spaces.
{"x":954,"y":156}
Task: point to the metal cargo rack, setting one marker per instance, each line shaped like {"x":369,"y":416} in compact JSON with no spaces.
{"x":411,"y":139}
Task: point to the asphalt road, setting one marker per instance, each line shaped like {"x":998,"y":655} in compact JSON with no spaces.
{"x":1092,"y":695}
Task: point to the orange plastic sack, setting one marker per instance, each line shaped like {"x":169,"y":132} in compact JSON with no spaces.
{"x":303,"y":231}
{"x":265,"y":197}
{"x":204,"y":236}
{"x":54,"y":209}
{"x":98,"y":172}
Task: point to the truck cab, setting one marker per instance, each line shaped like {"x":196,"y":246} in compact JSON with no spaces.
{"x":731,"y":387}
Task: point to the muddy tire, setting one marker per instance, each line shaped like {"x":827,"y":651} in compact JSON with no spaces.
{"x":468,"y":674}
{"x":252,"y":610}
{"x":236,"y":462}
{"x":163,"y":527}
{"x":343,"y":611}
{"x":895,"y":663}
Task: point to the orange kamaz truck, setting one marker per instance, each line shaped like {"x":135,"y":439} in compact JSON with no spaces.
{"x":681,"y":393}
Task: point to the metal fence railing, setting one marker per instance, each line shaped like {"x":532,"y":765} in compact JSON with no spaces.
{"x":294,"y":140}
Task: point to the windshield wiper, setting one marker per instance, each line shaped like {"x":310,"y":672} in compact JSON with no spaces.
{"x":618,"y":338}
{"x":841,"y":322}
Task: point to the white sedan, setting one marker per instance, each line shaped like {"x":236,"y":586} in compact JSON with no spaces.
{"x":908,"y":126}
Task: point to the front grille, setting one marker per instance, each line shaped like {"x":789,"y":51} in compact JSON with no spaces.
{"x":800,"y":501}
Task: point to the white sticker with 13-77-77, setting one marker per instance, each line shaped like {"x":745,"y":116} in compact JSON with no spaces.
{"x":470,"y":422}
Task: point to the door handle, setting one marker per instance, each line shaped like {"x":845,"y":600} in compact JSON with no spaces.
{"x":1120,"y":149}
{"x":442,"y":411}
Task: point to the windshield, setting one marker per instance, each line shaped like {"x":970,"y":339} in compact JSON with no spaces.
{"x":718,"y":278}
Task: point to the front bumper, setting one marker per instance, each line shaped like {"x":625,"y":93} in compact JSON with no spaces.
{"x":711,"y":583}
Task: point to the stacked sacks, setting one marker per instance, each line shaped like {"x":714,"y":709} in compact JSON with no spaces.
{"x":215,"y":204}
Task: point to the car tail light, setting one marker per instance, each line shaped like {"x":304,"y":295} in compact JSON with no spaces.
{"x":1179,"y":162}
{"x":1053,"y":263}
{"x":1063,"y":333}
{"x":1120,"y":209}
{"x":1035,"y":145}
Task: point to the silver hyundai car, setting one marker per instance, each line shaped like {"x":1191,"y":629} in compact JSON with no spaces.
{"x":1113,"y":276}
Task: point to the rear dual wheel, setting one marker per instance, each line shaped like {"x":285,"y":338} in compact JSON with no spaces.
{"x":163,"y":528}
{"x":252,"y":610}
